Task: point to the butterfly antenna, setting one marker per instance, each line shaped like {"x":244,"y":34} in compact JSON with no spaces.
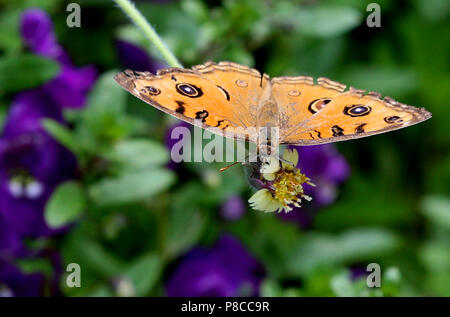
{"x":227,"y":167}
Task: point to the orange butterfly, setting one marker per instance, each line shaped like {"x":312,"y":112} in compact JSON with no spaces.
{"x":228,"y":97}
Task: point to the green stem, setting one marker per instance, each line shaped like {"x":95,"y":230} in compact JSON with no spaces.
{"x":149,"y":31}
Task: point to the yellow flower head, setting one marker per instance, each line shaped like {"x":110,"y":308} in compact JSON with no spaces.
{"x":283,"y":185}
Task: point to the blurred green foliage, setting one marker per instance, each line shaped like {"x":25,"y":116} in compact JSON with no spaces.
{"x":140,"y":217}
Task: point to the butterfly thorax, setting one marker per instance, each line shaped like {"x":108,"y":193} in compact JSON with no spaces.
{"x":268,"y":129}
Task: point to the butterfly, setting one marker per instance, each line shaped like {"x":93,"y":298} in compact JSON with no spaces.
{"x":229,"y":98}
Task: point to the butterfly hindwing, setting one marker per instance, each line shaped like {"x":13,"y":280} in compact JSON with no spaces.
{"x":299,"y":98}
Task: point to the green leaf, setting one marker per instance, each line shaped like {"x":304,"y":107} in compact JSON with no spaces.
{"x":390,"y":81}
{"x":342,"y":285}
{"x":107,"y":95}
{"x":326,"y":21}
{"x":10,"y":39}
{"x":318,"y":249}
{"x":37,"y":265}
{"x":131,"y":186}
{"x":437,"y":210}
{"x":144,"y":273}
{"x":391,"y":281}
{"x":186,"y":225}
{"x":139,"y":153}
{"x":104,"y":116}
{"x":435,"y":256}
{"x":177,"y":29}
{"x":383,"y":206}
{"x":433,"y":10}
{"x":65,"y":205}
{"x":97,"y":258}
{"x":21,"y":72}
{"x":62,"y":134}
{"x":270,"y":288}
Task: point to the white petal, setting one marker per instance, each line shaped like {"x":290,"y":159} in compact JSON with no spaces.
{"x":269,"y":176}
{"x":256,"y":196}
{"x":272,"y":166}
{"x":262,"y":200}
{"x":34,"y":190}
{"x":274,"y":205}
{"x":15,"y":189}
{"x":291,"y":156}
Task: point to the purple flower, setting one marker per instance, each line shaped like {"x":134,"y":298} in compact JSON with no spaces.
{"x":357,"y":272}
{"x":171,"y":141}
{"x":15,"y":283}
{"x":326,"y":167}
{"x":225,"y":270}
{"x":133,"y":57}
{"x":10,"y":242}
{"x":32,"y":164}
{"x":233,"y":208}
{"x":69,"y":88}
{"x":37,"y":31}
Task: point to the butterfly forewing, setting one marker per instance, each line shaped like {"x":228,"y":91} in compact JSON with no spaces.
{"x":187,"y":95}
{"x":242,"y":86}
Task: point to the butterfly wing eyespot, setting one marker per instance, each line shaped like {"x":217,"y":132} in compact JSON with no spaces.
{"x":357,"y":110}
{"x":151,"y":90}
{"x":189,"y":90}
{"x":318,"y":104}
{"x":241,"y":83}
{"x":393,"y":119}
{"x":294,"y":93}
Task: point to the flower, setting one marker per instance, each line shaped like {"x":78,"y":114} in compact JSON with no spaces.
{"x":357,"y":272}
{"x":225,"y":270}
{"x":170,"y":141}
{"x":133,"y":57}
{"x":69,"y":88}
{"x":11,"y":244}
{"x":282,"y":186}
{"x":37,"y":31}
{"x":14,"y":282}
{"x":327,"y":167}
{"x":233,"y":208}
{"x":32,"y":164}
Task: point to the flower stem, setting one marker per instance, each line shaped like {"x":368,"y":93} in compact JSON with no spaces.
{"x":149,"y":31}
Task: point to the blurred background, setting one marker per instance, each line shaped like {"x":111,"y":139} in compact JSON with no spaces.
{"x":86,"y":176}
